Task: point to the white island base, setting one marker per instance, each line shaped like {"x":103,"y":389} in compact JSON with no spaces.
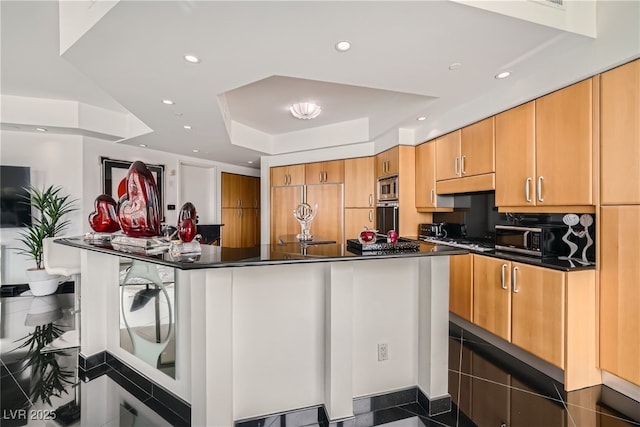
{"x":258,"y":340}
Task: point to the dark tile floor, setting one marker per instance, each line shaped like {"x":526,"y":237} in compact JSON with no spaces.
{"x":488,"y":388}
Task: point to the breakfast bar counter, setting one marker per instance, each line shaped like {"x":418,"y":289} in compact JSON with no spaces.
{"x":278,"y":328}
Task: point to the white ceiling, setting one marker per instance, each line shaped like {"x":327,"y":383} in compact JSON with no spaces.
{"x":258,"y":57}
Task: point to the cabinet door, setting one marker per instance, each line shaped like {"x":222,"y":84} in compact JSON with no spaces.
{"x":232,"y":230}
{"x":477,"y":148}
{"x":284,"y":200}
{"x":230,"y":186}
{"x":564,"y":146}
{"x":328,"y":222}
{"x":387,"y":162}
{"x":249,"y":192}
{"x":426,"y":175}
{"x":448,"y":156}
{"x":620,"y":291}
{"x":620,"y":135}
{"x":334,"y":172}
{"x":492,"y":295}
{"x":359,"y":183}
{"x":314,"y":173}
{"x":287,"y":175}
{"x":355,"y":219}
{"x":515,"y":156}
{"x":461,"y":286}
{"x":249,"y":220}
{"x":537,"y":322}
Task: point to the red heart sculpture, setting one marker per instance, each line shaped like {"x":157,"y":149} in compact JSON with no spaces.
{"x":139,"y":209}
{"x":104,"y":219}
{"x":187,"y":219}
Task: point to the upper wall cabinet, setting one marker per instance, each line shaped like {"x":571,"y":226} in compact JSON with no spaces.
{"x":465,"y":159}
{"x":620,"y":135}
{"x":324,"y":172}
{"x":240,"y":191}
{"x":564,"y":146}
{"x":515,"y":156}
{"x":359,"y":183}
{"x":426,"y":198}
{"x":287,"y":175}
{"x":387,"y":162}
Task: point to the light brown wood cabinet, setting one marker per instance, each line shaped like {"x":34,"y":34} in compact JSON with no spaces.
{"x":355,"y":219}
{"x":240,"y":191}
{"x":324,"y":172}
{"x":465,"y":159}
{"x":427,"y":199}
{"x":287,"y":175}
{"x":549,"y":313}
{"x":284,"y":200}
{"x":387,"y":162}
{"x":359,"y":183}
{"x":620,"y":135}
{"x":515,"y":156}
{"x":620,"y":291}
{"x":461,"y":286}
{"x":241,"y":227}
{"x":328,"y":222}
{"x":564,"y":146}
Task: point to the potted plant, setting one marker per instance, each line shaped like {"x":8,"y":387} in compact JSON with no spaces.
{"x":49,"y":206}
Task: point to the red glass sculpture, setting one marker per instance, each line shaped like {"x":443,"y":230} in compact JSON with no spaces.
{"x":187,"y":222}
{"x":139,"y":209}
{"x":104,"y":219}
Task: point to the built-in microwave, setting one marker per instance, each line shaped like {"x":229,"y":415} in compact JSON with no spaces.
{"x":540,"y":240}
{"x":388,"y":189}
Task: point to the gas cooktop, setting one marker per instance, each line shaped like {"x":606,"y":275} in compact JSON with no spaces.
{"x":480,"y":245}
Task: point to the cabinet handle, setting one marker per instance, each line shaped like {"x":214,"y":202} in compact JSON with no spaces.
{"x":320,"y":176}
{"x":433,"y":196}
{"x":527,"y":189}
{"x":540,"y":178}
{"x":325,"y":176}
{"x":370,"y":199}
{"x":514,"y":279}
{"x":503,"y":283}
{"x":455,"y":166}
{"x":370,"y":215}
{"x":462,"y":171}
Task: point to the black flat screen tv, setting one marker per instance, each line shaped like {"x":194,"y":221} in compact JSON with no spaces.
{"x":15,"y":206}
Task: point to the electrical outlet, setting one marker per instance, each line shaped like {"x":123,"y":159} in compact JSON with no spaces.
{"x":383,"y":352}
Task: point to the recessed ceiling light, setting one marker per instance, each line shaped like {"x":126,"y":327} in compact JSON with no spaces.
{"x":503,"y":75}
{"x":343,"y":46}
{"x":455,"y":66}
{"x":196,"y":151}
{"x":143,"y":145}
{"x":41,"y":129}
{"x":167,"y":101}
{"x":249,"y":161}
{"x":192,"y":59}
{"x":187,"y":127}
{"x":421,"y":118}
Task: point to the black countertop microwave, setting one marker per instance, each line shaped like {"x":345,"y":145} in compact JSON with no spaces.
{"x":539,"y":240}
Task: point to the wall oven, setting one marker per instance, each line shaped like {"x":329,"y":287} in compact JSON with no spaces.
{"x":387,"y":217}
{"x":388,"y":189}
{"x":540,"y":240}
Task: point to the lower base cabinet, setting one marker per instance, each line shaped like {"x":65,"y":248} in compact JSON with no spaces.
{"x":549,"y":313}
{"x":461,"y":286}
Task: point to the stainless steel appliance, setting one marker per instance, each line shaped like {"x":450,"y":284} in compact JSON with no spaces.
{"x":387,"y":217}
{"x":442,"y":230}
{"x":388,"y":189}
{"x":540,"y":240}
{"x":453,"y":234}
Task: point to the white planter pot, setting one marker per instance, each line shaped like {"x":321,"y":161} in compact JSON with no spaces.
{"x":42,"y":283}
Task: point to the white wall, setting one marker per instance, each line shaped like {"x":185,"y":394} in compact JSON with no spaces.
{"x":73,"y":162}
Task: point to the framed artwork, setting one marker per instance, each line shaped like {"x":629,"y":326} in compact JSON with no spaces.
{"x":115,"y":171}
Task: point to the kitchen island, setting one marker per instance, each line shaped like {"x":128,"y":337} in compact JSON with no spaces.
{"x":276,"y":328}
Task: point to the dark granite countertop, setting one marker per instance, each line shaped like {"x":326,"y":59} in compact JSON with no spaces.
{"x":290,"y":253}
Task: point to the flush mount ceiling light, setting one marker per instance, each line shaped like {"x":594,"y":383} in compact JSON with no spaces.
{"x":167,"y":102}
{"x":305,"y":110}
{"x":503,"y":75}
{"x":343,"y":46}
{"x":192,"y":59}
